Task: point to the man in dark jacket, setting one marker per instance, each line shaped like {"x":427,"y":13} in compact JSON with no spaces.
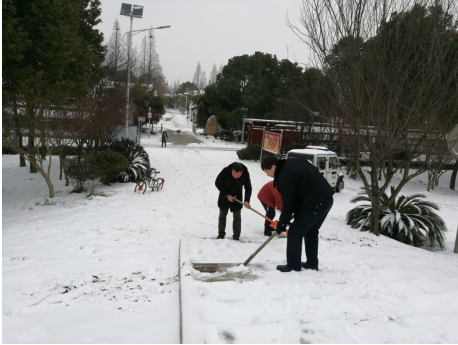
{"x":307,"y":195}
{"x":230,"y":183}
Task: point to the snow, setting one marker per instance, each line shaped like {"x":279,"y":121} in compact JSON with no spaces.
{"x":104,"y":269}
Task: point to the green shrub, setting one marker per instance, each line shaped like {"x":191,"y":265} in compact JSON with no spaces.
{"x":79,"y":172}
{"x":252,"y":152}
{"x":8,"y":151}
{"x":226,"y":135}
{"x":108,"y":165}
{"x":410,"y":220}
{"x":104,"y":166}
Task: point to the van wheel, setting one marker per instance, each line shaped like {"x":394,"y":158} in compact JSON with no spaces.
{"x":340,"y":185}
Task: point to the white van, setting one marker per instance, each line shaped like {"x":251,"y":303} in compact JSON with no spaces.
{"x":326,"y":161}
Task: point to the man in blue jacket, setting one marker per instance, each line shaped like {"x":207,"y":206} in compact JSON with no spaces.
{"x":306,"y":194}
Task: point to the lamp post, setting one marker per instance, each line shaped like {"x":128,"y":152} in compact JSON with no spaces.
{"x":132,"y":11}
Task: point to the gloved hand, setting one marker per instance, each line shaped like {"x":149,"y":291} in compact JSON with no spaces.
{"x":281,"y":227}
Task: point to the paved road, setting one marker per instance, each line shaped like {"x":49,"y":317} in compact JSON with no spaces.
{"x":181,"y":141}
{"x":182,"y":138}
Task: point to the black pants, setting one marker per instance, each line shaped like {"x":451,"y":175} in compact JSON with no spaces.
{"x":308,"y":229}
{"x":164,"y":143}
{"x":270,"y":213}
{"x":236,"y":224}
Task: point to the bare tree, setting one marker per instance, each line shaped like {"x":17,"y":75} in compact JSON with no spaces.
{"x":437,"y":158}
{"x":100,"y":115}
{"x":116,"y":57}
{"x":392,"y":80}
{"x":203,"y":80}
{"x":197,"y":75}
{"x":40,"y":151}
{"x":213,"y":75}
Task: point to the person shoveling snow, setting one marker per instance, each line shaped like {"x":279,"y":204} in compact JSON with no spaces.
{"x":230,"y":183}
{"x":307,"y":194}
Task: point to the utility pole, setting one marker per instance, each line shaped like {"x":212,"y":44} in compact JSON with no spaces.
{"x":128,"y":72}
{"x":132,"y":11}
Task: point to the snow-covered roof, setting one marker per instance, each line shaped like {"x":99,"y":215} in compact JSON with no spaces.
{"x":312,"y":152}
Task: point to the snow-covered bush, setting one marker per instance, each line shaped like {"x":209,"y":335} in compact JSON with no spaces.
{"x":252,"y":152}
{"x":139,"y":166}
{"x":410,"y":220}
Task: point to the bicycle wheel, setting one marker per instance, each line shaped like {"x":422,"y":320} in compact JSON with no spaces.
{"x":140,"y":187}
{"x":160,"y":181}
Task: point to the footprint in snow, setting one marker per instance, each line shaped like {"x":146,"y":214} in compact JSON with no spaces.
{"x":226,"y":336}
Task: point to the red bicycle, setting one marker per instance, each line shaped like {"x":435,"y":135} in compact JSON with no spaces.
{"x":150,"y":182}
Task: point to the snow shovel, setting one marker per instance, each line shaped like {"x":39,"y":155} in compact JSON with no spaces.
{"x":221,"y":267}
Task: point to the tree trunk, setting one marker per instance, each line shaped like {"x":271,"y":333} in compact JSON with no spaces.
{"x":31,"y":144}
{"x":50,"y":186}
{"x":61,"y":163}
{"x":19,"y":136}
{"x":47,"y":176}
{"x":375,"y":217}
{"x":42,"y":149}
{"x":430,"y":181}
{"x":456,"y":243}
{"x":453,"y":178}
{"x":21,"y":146}
{"x":67,"y":180}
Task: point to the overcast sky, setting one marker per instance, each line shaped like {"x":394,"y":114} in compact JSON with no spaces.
{"x":211,"y":31}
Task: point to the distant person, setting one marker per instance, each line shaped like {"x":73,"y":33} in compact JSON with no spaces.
{"x":230,"y":183}
{"x":164,"y":139}
{"x":270,"y":199}
{"x":307,"y":194}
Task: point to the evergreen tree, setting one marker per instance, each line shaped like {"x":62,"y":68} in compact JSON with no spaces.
{"x":250,"y":86}
{"x":56,"y":58}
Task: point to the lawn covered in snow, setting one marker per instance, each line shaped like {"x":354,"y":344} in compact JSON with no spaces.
{"x":104,"y":269}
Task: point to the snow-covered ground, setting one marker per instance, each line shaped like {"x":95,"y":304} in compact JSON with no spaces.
{"x":105,"y":269}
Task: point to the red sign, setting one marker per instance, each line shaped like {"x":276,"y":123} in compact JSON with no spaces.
{"x":271,"y":142}
{"x":141,"y":119}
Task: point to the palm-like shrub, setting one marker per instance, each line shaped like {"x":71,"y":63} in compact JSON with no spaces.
{"x":139,"y":165}
{"x":410,"y":220}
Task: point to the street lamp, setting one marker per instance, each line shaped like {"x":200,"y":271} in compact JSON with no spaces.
{"x":132,"y":11}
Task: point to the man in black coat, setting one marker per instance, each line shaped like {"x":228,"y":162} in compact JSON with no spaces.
{"x":306,"y":194}
{"x":230,"y":183}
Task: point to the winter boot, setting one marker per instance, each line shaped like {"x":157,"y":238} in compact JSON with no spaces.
{"x":220,"y":237}
{"x":235,"y":237}
{"x":267,"y":233}
{"x":308,"y":267}
{"x":286,"y":268}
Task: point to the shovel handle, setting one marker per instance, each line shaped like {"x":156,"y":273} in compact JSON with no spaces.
{"x":252,"y":209}
{"x":260,"y":248}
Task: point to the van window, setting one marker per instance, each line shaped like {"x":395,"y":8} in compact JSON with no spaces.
{"x":333,"y":164}
{"x":294,"y":155}
{"x":321,"y":163}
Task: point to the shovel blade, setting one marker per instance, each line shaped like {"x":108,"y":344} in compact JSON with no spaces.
{"x":213,"y":267}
